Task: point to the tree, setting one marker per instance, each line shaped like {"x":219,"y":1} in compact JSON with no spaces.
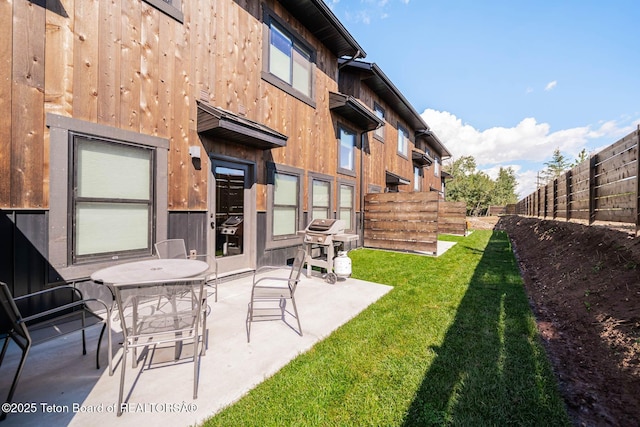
{"x":582,"y":156}
{"x":476,"y":188}
{"x":555,"y":167}
{"x":505,"y":187}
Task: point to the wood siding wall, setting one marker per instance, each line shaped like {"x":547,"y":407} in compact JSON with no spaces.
{"x":383,"y":156}
{"x":402,"y":221}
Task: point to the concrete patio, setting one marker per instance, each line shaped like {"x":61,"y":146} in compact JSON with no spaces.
{"x":67,"y":389}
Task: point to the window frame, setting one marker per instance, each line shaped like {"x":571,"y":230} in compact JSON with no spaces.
{"x":283,"y":241}
{"x":172,"y":8}
{"x":328,"y":179}
{"x":347,"y":183}
{"x":379,"y":133}
{"x":403,"y":131}
{"x":269,"y":19}
{"x":75,"y":139}
{"x":59,"y":244}
{"x":340,"y":129}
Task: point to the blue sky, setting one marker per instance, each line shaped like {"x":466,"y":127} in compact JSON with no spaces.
{"x":507,"y":82}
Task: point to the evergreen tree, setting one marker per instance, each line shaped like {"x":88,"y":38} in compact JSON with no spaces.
{"x":582,"y":156}
{"x":555,"y":167}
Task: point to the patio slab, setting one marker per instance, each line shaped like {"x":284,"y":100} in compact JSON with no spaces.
{"x":62,"y":387}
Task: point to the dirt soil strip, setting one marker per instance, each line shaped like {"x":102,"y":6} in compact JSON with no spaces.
{"x":584,"y":287}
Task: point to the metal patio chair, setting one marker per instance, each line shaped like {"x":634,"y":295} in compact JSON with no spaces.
{"x":176,"y":249}
{"x":148,"y":326}
{"x":275,"y":289}
{"x":46,"y":324}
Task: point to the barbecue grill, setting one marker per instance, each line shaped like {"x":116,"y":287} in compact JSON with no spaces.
{"x":321,"y":237}
{"x":232,"y":229}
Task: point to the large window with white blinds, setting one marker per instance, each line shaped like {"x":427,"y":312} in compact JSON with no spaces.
{"x":320,"y":199}
{"x":112,"y":198}
{"x":285,"y":204}
{"x":346,"y":211}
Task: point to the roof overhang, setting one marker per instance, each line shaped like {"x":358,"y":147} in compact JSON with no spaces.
{"x":374,"y":77}
{"x":223,"y":124}
{"x":393,"y":179}
{"x":316,"y":16}
{"x":351,"y":109}
{"x":433,"y":141}
{"x":421,"y":158}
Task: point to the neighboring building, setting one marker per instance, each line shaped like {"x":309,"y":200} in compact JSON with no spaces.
{"x":124,"y":123}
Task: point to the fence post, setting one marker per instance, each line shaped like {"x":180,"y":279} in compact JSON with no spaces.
{"x":555,"y":198}
{"x":592,"y":188}
{"x":637,"y":179}
{"x":567,"y":182}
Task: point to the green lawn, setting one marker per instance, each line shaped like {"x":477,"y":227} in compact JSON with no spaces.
{"x":454,"y":343}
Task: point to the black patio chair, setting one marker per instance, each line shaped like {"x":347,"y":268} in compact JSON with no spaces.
{"x":50,"y":323}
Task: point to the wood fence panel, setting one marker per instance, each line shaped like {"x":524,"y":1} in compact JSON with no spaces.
{"x":452,"y":217}
{"x":402,"y":221}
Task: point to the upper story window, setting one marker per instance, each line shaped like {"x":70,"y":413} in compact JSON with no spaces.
{"x":436,"y":166}
{"x":346,"y":153}
{"x":289,"y":61}
{"x":172,"y":8}
{"x":379,"y":111}
{"x":403,"y":141}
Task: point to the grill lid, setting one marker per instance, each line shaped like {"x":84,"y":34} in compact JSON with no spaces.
{"x":326,"y":226}
{"x":233,"y":221}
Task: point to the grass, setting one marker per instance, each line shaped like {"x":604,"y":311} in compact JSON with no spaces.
{"x":454,"y":343}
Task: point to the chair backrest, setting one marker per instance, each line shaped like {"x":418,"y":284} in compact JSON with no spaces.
{"x":179,"y":309}
{"x":171,"y":249}
{"x":10,"y":317}
{"x":296,"y":269}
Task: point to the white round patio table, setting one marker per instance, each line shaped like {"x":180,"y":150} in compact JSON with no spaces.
{"x":150,"y":270}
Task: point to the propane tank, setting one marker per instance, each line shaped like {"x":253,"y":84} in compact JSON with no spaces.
{"x":342,"y":265}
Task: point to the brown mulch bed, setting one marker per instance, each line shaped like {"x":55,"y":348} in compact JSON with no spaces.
{"x":583,"y":283}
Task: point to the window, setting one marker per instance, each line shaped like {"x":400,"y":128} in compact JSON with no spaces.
{"x":379,"y":112}
{"x":320,"y":199}
{"x":112,"y":198}
{"x":172,"y":8}
{"x":285,"y":204}
{"x":346,"y":205}
{"x":346,"y":151}
{"x":290,"y":61}
{"x":417,"y":178}
{"x":109,"y":195}
{"x":436,"y":166}
{"x":403,"y":141}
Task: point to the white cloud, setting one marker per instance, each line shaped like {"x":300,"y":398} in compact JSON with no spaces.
{"x":529,"y":90}
{"x":529,"y":143}
{"x":551,"y":85}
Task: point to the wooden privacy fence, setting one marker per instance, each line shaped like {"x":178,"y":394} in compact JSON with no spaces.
{"x":401,"y":221}
{"x":605,"y":188}
{"x":452,"y":218}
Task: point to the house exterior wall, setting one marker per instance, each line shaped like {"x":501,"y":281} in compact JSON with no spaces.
{"x":128,"y":67}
